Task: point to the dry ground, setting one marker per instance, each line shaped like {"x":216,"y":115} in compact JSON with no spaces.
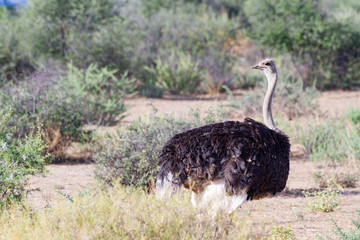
{"x":284,"y":209}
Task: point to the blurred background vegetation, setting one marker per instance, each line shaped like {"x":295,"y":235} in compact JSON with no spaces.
{"x":184,"y":46}
{"x":68,"y":63}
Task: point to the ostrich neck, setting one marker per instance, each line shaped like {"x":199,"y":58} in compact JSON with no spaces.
{"x":267,"y":113}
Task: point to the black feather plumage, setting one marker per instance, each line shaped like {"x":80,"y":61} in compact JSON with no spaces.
{"x":250,"y":157}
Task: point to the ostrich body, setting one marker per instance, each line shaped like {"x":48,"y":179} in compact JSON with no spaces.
{"x":227,"y":163}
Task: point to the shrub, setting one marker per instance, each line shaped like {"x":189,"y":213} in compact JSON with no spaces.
{"x":114,"y":45}
{"x":185,"y":29}
{"x":326,"y":200}
{"x":121,"y":213}
{"x":133,"y":155}
{"x":64,"y":104}
{"x":126,"y":35}
{"x":98,"y":92}
{"x":62,"y":27}
{"x":331,"y":141}
{"x":179,"y":73}
{"x":324,"y":141}
{"x":248,"y":81}
{"x":233,"y":7}
{"x":19,"y":158}
{"x":218,"y":70}
{"x":36,"y":100}
{"x":350,"y":235}
{"x":281,"y":233}
{"x":15,"y":58}
{"x":353,"y":114}
{"x":327,"y":47}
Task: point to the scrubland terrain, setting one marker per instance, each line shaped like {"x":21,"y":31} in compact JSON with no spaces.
{"x":286,"y":209}
{"x":90,"y":91}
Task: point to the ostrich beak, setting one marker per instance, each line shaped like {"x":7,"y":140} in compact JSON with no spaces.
{"x":257,"y":67}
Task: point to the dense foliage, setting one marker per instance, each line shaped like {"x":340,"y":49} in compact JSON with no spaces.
{"x":331,"y":141}
{"x":321,"y":38}
{"x":15,"y":58}
{"x":326,"y":47}
{"x":18,"y":159}
{"x":64,"y":104}
{"x":353,"y":115}
{"x":179,"y":73}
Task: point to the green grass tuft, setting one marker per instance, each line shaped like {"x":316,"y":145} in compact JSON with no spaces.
{"x":326,"y":200}
{"x":281,"y":233}
{"x":331,"y":141}
{"x":353,"y":114}
{"x":353,"y":234}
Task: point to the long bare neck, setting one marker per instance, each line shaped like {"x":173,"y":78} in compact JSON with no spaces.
{"x":267,"y":113}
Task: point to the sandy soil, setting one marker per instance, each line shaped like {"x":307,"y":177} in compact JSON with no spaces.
{"x":288,"y":208}
{"x":59,"y":180}
{"x":284,"y":209}
{"x":336,"y":103}
{"x":176,"y":106}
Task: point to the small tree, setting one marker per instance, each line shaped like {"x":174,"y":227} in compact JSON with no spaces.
{"x":56,"y":21}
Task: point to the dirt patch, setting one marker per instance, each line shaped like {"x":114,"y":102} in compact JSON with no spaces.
{"x":287,"y":209}
{"x":58,"y":181}
{"x":336,"y":103}
{"x":176,"y":106}
{"x":284,"y":209}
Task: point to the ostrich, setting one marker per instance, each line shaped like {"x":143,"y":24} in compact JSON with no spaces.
{"x":227,"y":163}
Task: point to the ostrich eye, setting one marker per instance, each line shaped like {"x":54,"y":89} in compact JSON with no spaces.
{"x":267,"y":64}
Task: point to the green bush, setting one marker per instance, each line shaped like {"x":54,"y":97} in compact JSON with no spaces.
{"x":132,"y":155}
{"x":351,"y":234}
{"x":129,"y":35}
{"x":62,"y":27}
{"x":179,"y":73}
{"x":37,"y":100}
{"x":185,"y":29}
{"x":15,"y":58}
{"x":125,"y":35}
{"x":326,"y":200}
{"x":64,"y":104}
{"x":281,"y":233}
{"x":97,"y":91}
{"x":331,"y":141}
{"x":19,"y":158}
{"x":353,"y":114}
{"x":233,"y":7}
{"x":248,"y":80}
{"x":326,"y":46}
{"x":114,"y":45}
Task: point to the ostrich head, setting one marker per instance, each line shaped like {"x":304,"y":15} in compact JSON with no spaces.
{"x":267,"y":66}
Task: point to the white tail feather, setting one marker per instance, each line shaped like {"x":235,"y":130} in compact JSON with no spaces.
{"x":165,"y":186}
{"x":215,"y":199}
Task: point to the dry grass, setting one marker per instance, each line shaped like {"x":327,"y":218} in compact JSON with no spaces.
{"x":121,"y":213}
